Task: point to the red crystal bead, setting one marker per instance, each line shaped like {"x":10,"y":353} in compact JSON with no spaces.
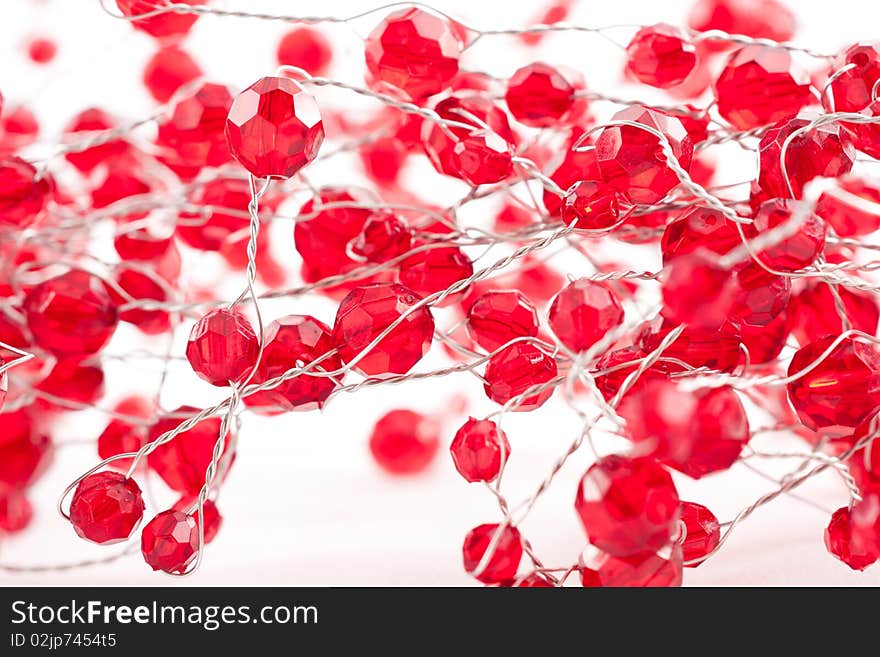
{"x":583,"y":312}
{"x":539,"y":95}
{"x":414,"y":52}
{"x":631,"y":159}
{"x":852,"y":208}
{"x":22,"y":195}
{"x":852,"y":89}
{"x":106,"y":507}
{"x":479,"y":450}
{"x":853,"y":535}
{"x":274,"y":128}
{"x":760,"y":297}
{"x":72,"y":381}
{"x":18,"y":128}
{"x":697,"y":291}
{"x":168,"y":25}
{"x":497,"y":317}
{"x":826,"y":151}
{"x":306,"y":48}
{"x":24,"y":450}
{"x":290,"y":341}
{"x":368,"y":311}
{"x":122,"y":437}
{"x":760,"y":19}
{"x":697,"y":228}
{"x":383,"y":237}
{"x":516,"y":369}
{"x":715,"y":348}
{"x":222,"y":347}
{"x":404,"y":442}
{"x":627,"y":506}
{"x":224,"y":203}
{"x":141,"y":285}
{"x":844,"y":389}
{"x":434,"y":270}
{"x":638,"y":570}
{"x":591,"y":205}
{"x":702,"y":533}
{"x":535,"y":581}
{"x":170,"y":541}
{"x":94,"y":120}
{"x":761,"y":85}
{"x":866,"y":136}
{"x":181,"y":463}
{"x":798,"y":250}
{"x":814,"y":313}
{"x":15,"y":510}
{"x":660,"y":56}
{"x":213,"y":519}
{"x":577,"y":165}
{"x":72,"y":314}
{"x":765,"y":342}
{"x":168,"y":70}
{"x":504,"y":559}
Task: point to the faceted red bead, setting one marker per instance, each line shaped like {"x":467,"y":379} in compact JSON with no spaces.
{"x":181,"y":463}
{"x":122,"y":437}
{"x":502,"y":562}
{"x":224,"y":203}
{"x":760,"y":297}
{"x":660,"y":56}
{"x":72,"y":314}
{"x":800,"y":249}
{"x":368,"y":311}
{"x":93,"y":120}
{"x":844,"y":389}
{"x":760,"y":19}
{"x":852,"y":208}
{"x":761,"y":85}
{"x":22,"y":195}
{"x":853,"y":535}
{"x":497,"y":317}
{"x":516,"y":369}
{"x":852,"y":89}
{"x":414,"y":52}
{"x":168,"y":70}
{"x":591,"y":205}
{"x":15,"y":510}
{"x":702,"y":533}
{"x":170,"y":541}
{"x":306,"y":48}
{"x":637,"y":570}
{"x":192,"y":137}
{"x":383,"y":237}
{"x":539,"y":95}
{"x":695,"y":431}
{"x":814,"y":313}
{"x":715,"y":348}
{"x":404,"y":442}
{"x":627,"y":506}
{"x":274,"y":128}
{"x":577,"y":165}
{"x":631,"y":159}
{"x":583,"y":312}
{"x":765,"y":342}
{"x":141,"y":285}
{"x":477,"y":155}
{"x":479,"y":450}
{"x":168,"y":25}
{"x":826,"y":151}
{"x":222,"y":347}
{"x":434,"y":270}
{"x":24,"y":450}
{"x":213,"y":519}
{"x":106,"y":507}
{"x":4,"y":385}
{"x":291,"y":341}
{"x":696,"y":228}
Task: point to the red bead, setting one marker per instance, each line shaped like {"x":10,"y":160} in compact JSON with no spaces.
{"x":814,"y":313}
{"x":853,"y":535}
{"x":181,"y":463}
{"x":383,"y":237}
{"x":168,"y":25}
{"x":503,"y":561}
{"x":800,"y":249}
{"x":695,"y":431}
{"x":660,"y":56}
{"x":404,"y":442}
{"x":844,"y":389}
{"x":760,"y":297}
{"x":24,"y":450}
{"x":516,"y":369}
{"x":213,"y":519}
{"x":22,"y":196}
{"x":170,"y":541}
{"x":577,"y":165}
{"x":93,"y":120}
{"x":122,"y":437}
{"x":821,"y":152}
{"x":192,"y":137}
{"x":715,"y":348}
{"x":222,"y":347}
{"x":73,"y":381}
{"x":866,"y":136}
{"x":289,"y":342}
{"x":697,"y":291}
{"x":476,"y":155}
{"x":368,"y":311}
{"x":18,"y":128}
{"x":224,"y":203}
{"x":627,"y":506}
{"x":535,"y":581}
{"x":117,"y":185}
{"x":15,"y":510}
{"x":479,"y":450}
{"x":274,"y":128}
{"x":699,"y":227}
{"x":414,"y":52}
{"x":760,"y":19}
{"x":761,"y":85}
{"x":583,"y":312}
{"x":852,"y":208}
{"x":631,"y":159}
{"x":702,"y":532}
{"x":497,"y":317}
{"x":538,"y":95}
{"x":106,"y":507}
{"x":306,"y":48}
{"x":141,"y":285}
{"x":765,"y":343}
{"x":591,"y":205}
{"x":41,"y":50}
{"x":434,"y":270}
{"x":72,"y":314}
{"x":852,"y":89}
{"x":638,"y":570}
{"x":168,"y":70}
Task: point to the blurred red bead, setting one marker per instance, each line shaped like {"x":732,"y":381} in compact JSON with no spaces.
{"x":23,"y":195}
{"x":404,"y":442}
{"x":852,"y":208}
{"x":306,"y":48}
{"x":761,"y":19}
{"x":538,"y":95}
{"x":25,"y":451}
{"x":121,"y":436}
{"x":41,"y":50}
{"x":15,"y":510}
{"x":814,"y":312}
{"x":167,"y":25}
{"x":93,"y":120}
{"x":660,"y":56}
{"x":168,"y":70}
{"x":800,"y":249}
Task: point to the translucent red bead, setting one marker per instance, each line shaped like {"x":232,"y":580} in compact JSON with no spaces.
{"x":106,"y":507}
{"x":404,"y":441}
{"x":479,"y":450}
{"x":515,"y":371}
{"x":660,"y":56}
{"x":497,"y":317}
{"x":583,"y":312}
{"x":170,"y":541}
{"x":501,"y":564}
{"x":222,"y":347}
{"x":538,"y":95}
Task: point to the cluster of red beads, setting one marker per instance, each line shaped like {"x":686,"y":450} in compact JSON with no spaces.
{"x":762,"y":300}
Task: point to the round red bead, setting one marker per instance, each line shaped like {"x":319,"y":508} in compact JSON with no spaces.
{"x":517,"y":369}
{"x":853,"y":535}
{"x":660,"y":56}
{"x":479,"y":450}
{"x":222,"y":347}
{"x":305,"y":48}
{"x":106,"y":507}
{"x":702,"y":533}
{"x":583,"y":312}
{"x":170,"y":541}
{"x":539,"y":95}
{"x":502,"y":563}
{"x":404,"y":442}
{"x":497,"y":317}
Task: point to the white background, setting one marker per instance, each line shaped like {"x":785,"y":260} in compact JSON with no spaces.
{"x":305,"y":505}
